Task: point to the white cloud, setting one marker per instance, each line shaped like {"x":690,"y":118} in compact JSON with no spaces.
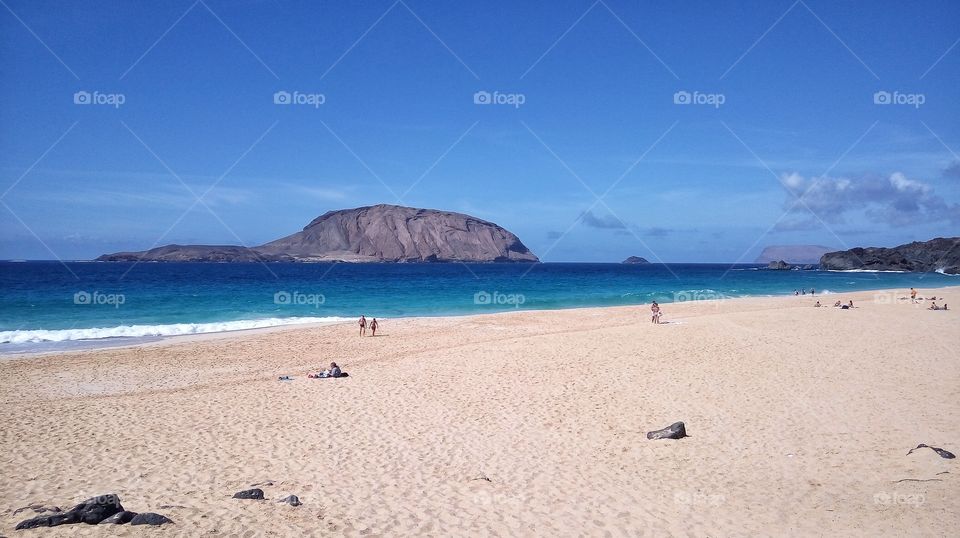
{"x":896,"y":200}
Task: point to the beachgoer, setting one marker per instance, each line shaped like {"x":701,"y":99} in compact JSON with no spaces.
{"x":373,"y":327}
{"x":851,"y":303}
{"x":913,"y":295}
{"x":335,"y":370}
{"x":944,"y":306}
{"x":654,"y":313}
{"x":813,"y":291}
{"x":836,"y":303}
{"x":796,"y":292}
{"x":818,"y":304}
{"x":363,"y":325}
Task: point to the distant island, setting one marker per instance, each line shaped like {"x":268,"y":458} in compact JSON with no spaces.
{"x":635,"y":260}
{"x":379,"y":233}
{"x":940,"y":254}
{"x":793,"y":254}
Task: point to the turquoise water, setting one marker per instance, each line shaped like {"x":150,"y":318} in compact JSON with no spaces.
{"x":52,"y":302}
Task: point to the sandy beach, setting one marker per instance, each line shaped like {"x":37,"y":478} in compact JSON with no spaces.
{"x":512,"y":424}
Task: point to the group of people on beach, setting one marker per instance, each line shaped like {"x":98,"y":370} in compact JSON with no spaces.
{"x":933,"y":305}
{"x":803,"y":291}
{"x":838,"y":304}
{"x":913,"y":299}
{"x":363,"y":326}
{"x":334,"y":370}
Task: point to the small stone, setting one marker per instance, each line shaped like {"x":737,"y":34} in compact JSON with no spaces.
{"x":673,"y":431}
{"x":292,"y":500}
{"x":150,"y":518}
{"x":255,"y":493}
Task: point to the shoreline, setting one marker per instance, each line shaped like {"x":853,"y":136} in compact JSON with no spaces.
{"x":155,"y":341}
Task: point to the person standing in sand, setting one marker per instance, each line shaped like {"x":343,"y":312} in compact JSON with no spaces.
{"x":373,"y":327}
{"x":655,"y":313}
{"x":913,"y":295}
{"x":363,"y":325}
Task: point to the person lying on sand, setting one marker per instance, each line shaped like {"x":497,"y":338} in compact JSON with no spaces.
{"x":818,"y":305}
{"x":836,"y":303}
{"x":334,"y":371}
{"x":933,"y":306}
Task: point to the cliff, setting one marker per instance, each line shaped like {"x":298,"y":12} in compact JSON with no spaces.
{"x":940,"y":254}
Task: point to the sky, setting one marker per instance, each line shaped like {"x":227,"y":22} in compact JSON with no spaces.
{"x":594,"y":130}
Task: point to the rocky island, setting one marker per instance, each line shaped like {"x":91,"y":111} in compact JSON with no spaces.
{"x":635,"y":260}
{"x":380,"y":233}
{"x":941,"y":254}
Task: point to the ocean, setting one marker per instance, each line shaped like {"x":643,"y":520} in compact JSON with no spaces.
{"x":52,"y":306}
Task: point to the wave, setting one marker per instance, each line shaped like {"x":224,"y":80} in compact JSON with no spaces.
{"x":141,"y":331}
{"x":946,"y":274}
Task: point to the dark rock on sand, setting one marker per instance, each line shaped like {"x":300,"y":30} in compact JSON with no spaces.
{"x":102,"y":510}
{"x":255,"y":493}
{"x":940,"y":254}
{"x":149,"y":518}
{"x":673,"y":431}
{"x":120,"y":518}
{"x":292,"y":500}
{"x":63,"y":518}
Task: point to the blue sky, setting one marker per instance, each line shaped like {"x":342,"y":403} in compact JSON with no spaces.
{"x":587,"y":157}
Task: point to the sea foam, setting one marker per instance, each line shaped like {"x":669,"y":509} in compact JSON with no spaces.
{"x":140,"y":331}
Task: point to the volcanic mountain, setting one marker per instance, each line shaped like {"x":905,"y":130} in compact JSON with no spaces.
{"x":380,"y":233}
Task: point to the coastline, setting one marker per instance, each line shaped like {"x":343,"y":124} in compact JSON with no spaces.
{"x":126,"y":342}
